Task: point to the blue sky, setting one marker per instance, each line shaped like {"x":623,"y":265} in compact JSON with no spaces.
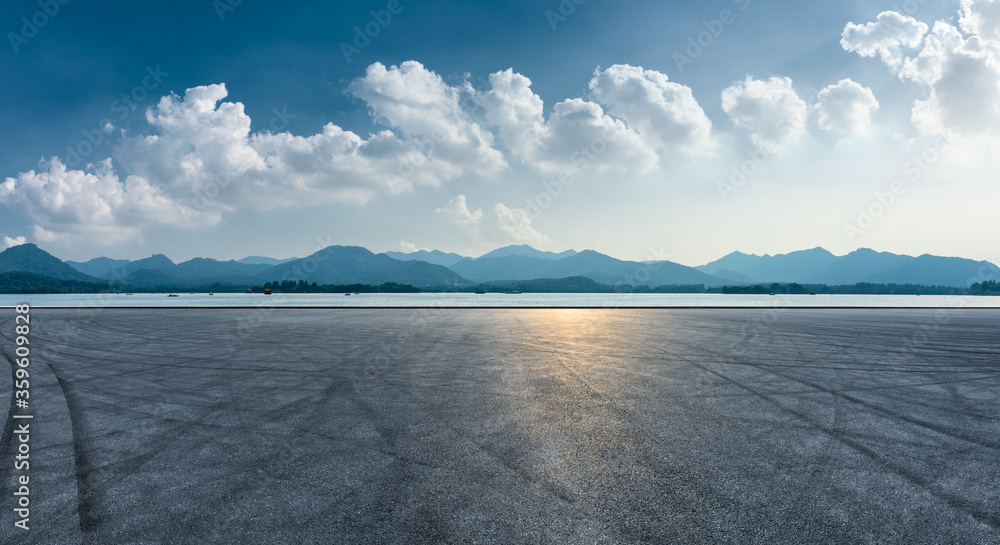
{"x":226,"y":130}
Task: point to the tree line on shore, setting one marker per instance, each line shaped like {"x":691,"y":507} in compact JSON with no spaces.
{"x":29,"y":283}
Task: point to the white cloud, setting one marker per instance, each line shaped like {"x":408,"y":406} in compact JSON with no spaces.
{"x":418,"y":103}
{"x":504,"y":225}
{"x":981,"y":18}
{"x":204,"y":151}
{"x":517,"y":224}
{"x":92,"y":204}
{"x":457,"y":212}
{"x":963,"y":79}
{"x":8,"y":242}
{"x":200,"y":160}
{"x":406,"y":247}
{"x":664,"y":113}
{"x":961,"y":74}
{"x":885,"y":37}
{"x":577,"y":136}
{"x":580,"y":136}
{"x":928,"y":66}
{"x":770,"y":109}
{"x":845,"y":107}
{"x":517,"y":112}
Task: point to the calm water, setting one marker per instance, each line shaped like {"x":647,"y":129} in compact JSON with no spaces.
{"x":498,"y":300}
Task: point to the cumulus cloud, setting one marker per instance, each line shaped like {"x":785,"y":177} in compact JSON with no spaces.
{"x":885,"y":37}
{"x":406,"y":247}
{"x":770,"y":109}
{"x":517,"y":224}
{"x":503,"y":225}
{"x":94,"y":203}
{"x":578,"y":135}
{"x":963,"y":81}
{"x":457,"y":212}
{"x":981,"y":18}
{"x":845,"y":107}
{"x":961,"y":73}
{"x":203,"y":149}
{"x":8,"y":242}
{"x":516,"y":111}
{"x":664,"y":113}
{"x":200,"y":160}
{"x":418,"y":103}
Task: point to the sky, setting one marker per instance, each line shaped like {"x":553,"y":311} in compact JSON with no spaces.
{"x":645,"y":130}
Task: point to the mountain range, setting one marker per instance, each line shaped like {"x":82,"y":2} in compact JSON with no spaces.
{"x":818,"y":266}
{"x":433,"y":269}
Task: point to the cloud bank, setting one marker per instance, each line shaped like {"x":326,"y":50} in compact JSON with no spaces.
{"x":197,"y":159}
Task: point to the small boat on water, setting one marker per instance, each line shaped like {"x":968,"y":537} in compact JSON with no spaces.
{"x":480,"y":293}
{"x":347,"y":294}
{"x":172,"y":295}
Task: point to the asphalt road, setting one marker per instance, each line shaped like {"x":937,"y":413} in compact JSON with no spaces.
{"x":509,"y":426}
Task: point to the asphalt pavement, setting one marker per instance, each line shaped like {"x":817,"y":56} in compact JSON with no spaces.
{"x":278,"y":425}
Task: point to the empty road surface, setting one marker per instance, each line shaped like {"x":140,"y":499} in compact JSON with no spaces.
{"x":507,"y":426}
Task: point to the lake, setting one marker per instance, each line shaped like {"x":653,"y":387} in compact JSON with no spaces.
{"x":558,"y":300}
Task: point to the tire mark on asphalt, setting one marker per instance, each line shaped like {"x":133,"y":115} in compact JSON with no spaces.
{"x":6,"y":440}
{"x":957,"y":502}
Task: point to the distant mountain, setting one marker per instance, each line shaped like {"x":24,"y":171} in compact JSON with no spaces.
{"x":157,"y":262}
{"x":260,"y":260}
{"x":201,"y":267}
{"x":857,"y":266}
{"x":436,"y":257}
{"x":27,"y":267}
{"x":32,"y":259}
{"x":353,"y":264}
{"x":523,"y":250}
{"x":195,"y":272}
{"x":99,"y":266}
{"x":588,"y":263}
{"x":818,"y":266}
{"x":152,"y":279}
{"x":734,"y":276}
{"x":934,"y":270}
{"x":790,"y":267}
{"x":512,"y":267}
